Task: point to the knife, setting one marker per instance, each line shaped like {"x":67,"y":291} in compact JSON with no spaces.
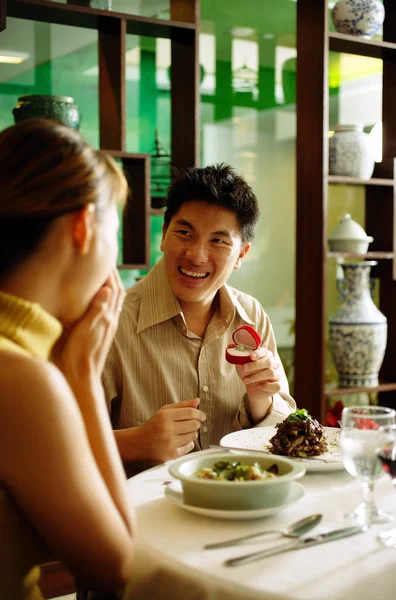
{"x":330,"y":536}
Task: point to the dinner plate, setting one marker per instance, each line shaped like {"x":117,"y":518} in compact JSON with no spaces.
{"x":174,"y":494}
{"x":257,"y":440}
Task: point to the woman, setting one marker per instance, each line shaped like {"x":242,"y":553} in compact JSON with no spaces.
{"x":63,"y":493}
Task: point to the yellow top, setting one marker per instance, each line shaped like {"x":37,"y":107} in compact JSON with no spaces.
{"x":25,"y":328}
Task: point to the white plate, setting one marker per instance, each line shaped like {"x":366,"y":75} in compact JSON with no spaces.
{"x":257,"y":439}
{"x":174,"y":494}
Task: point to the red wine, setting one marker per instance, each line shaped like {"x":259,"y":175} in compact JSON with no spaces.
{"x":388,"y":461}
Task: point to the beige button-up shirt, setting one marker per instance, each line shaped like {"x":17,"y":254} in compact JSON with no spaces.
{"x":155,"y":360}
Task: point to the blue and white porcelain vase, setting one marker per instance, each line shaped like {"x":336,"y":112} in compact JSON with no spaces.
{"x":350,"y":152}
{"x":358,"y":330}
{"x":358,"y":17}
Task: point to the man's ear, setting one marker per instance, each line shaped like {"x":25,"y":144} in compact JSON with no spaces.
{"x":244,"y":250}
{"x":83,"y":226}
{"x":164,"y":230}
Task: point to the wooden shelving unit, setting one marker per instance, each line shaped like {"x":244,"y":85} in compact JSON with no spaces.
{"x":368,"y":256}
{"x":339,"y":180}
{"x":155,"y":212}
{"x":136,"y":222}
{"x":349,"y":44}
{"x":381,"y":387}
{"x":183,"y":31}
{"x":93,"y":18}
{"x":314,"y":41}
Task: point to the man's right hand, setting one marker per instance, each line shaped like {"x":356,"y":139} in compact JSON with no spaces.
{"x":169,"y":434}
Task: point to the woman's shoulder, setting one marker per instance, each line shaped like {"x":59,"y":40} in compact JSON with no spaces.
{"x":15,"y":362}
{"x":24,"y":378}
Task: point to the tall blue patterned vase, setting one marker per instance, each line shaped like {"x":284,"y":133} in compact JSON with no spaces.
{"x":358,"y":330}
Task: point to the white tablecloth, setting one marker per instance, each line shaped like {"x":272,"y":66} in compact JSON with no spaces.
{"x":171,"y":563}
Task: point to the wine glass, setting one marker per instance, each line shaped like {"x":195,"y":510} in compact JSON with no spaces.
{"x":359,"y":440}
{"x":386,"y":452}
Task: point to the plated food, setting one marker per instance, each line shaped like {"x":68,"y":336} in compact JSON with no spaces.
{"x":257,"y":440}
{"x":235,"y":494}
{"x":227,"y":470}
{"x":299,"y":436}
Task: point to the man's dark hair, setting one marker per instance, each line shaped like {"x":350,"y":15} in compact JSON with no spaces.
{"x":217,"y":184}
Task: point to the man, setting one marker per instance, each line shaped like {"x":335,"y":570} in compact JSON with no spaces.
{"x":167,"y":381}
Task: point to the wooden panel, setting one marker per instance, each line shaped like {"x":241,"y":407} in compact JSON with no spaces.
{"x":389,"y":86}
{"x":185,"y":10}
{"x":339,"y":42}
{"x":381,"y":224}
{"x":185,"y":74}
{"x":136,"y":224}
{"x":379,"y":218}
{"x":386,"y":273}
{"x":388,"y":307}
{"x":81,"y":16}
{"x":56,"y":580}
{"x":157,"y":28}
{"x":2,"y":14}
{"x":312,"y":125}
{"x":112,"y":116}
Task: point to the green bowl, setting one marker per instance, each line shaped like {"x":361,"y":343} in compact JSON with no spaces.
{"x":235,"y":495}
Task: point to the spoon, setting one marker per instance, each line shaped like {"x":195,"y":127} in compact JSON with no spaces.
{"x":293,"y":531}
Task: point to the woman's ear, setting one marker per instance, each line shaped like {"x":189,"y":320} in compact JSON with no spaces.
{"x":83,"y":227}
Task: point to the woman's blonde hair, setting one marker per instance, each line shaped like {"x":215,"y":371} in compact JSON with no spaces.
{"x":48,"y":170}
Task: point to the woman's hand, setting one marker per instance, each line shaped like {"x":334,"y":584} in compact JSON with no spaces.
{"x":82,"y":350}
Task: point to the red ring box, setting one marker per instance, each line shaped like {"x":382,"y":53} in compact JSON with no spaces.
{"x":246,"y":340}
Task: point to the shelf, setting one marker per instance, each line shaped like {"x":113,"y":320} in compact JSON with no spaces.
{"x":339,"y":42}
{"x":382,"y":387}
{"x":132,"y":156}
{"x":126,"y":267}
{"x":341,"y":180}
{"x":157,"y":212}
{"x":368,"y":255}
{"x":92,"y":18}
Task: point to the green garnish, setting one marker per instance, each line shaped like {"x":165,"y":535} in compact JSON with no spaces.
{"x":226,"y":470}
{"x":300,"y":415}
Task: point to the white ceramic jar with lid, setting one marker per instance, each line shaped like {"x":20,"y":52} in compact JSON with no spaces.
{"x":349,"y":236}
{"x":350,"y":153}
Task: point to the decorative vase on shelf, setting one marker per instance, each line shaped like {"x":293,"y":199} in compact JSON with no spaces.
{"x":58,"y":108}
{"x":357,"y":330}
{"x":349,"y":236}
{"x":358,"y":17}
{"x":350,"y":152}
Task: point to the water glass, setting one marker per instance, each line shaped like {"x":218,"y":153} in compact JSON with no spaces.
{"x":359,"y":440}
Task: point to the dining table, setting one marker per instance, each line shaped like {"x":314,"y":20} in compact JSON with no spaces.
{"x":171,"y":562}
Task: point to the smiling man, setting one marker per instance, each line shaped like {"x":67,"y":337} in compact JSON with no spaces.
{"x":167,"y":381}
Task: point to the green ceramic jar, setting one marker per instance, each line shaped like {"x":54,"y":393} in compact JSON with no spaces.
{"x":58,"y":108}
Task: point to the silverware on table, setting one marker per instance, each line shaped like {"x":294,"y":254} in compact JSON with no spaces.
{"x":294,"y":530}
{"x":330,"y":536}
